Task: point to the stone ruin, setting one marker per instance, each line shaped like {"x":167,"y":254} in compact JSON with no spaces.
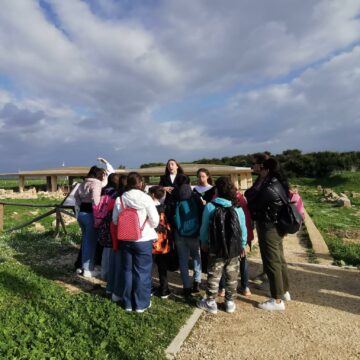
{"x":338,"y":200}
{"x":31,"y":194}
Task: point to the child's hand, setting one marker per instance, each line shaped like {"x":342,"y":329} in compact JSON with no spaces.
{"x":102,"y":160}
{"x":168,"y":189}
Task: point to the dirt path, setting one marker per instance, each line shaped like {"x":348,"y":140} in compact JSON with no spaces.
{"x":322,"y":321}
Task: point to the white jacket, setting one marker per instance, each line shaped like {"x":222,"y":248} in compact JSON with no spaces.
{"x":145,"y":207}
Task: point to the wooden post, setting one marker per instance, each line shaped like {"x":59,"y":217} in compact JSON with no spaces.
{"x":243,"y":181}
{"x":249,"y":180}
{"x":53,"y":183}
{"x":21,"y":183}
{"x":1,"y":217}
{"x":235,"y":180}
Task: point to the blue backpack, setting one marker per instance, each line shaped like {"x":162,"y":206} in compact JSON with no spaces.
{"x":186,"y":217}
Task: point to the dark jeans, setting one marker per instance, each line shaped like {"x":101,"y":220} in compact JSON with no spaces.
{"x":272,"y":254}
{"x":135,"y":273}
{"x":161,"y":260}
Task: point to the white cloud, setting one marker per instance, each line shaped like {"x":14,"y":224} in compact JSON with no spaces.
{"x":99,"y":77}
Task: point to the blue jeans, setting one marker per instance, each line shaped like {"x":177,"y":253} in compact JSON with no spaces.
{"x":244,"y":275}
{"x":89,"y":239}
{"x":113,"y":279}
{"x":186,"y":247}
{"x":135,"y":273}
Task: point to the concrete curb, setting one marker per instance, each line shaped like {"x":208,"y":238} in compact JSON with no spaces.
{"x":184,"y":332}
{"x":318,"y":243}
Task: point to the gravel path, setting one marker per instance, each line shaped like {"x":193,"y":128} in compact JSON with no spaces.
{"x":322,"y":321}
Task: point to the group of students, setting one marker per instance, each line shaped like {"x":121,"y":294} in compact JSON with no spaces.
{"x":211,"y":224}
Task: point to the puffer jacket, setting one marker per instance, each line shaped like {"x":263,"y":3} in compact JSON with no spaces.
{"x":265,"y":203}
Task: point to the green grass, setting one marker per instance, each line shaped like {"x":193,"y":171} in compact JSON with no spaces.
{"x":41,"y":320}
{"x":335,"y":223}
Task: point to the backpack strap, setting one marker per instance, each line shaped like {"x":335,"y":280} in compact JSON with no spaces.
{"x":121,"y":203}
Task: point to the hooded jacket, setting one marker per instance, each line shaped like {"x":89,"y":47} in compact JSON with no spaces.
{"x":89,"y":191}
{"x":146,"y":210}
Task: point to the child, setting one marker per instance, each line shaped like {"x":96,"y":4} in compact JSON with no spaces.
{"x":204,"y":187}
{"x":206,"y":191}
{"x":135,"y":253}
{"x":225,"y":243}
{"x":162,"y":246}
{"x":187,"y":220}
{"x":243,"y":287}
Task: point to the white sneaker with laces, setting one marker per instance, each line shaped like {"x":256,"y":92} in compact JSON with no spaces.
{"x":286,"y":296}
{"x":230,"y":306}
{"x":208,"y":305}
{"x":272,"y":305}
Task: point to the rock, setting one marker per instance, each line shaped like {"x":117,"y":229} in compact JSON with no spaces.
{"x":319,"y":188}
{"x":343,"y":202}
{"x":355,"y":195}
{"x":330,"y":194}
{"x":343,"y":195}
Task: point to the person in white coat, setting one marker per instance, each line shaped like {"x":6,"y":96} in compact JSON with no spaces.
{"x":136,"y":255}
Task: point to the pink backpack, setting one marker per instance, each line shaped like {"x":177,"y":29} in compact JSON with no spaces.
{"x":128,"y":224}
{"x":100,"y":210}
{"x":296,"y":199}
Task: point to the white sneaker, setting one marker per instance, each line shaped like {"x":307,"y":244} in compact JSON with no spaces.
{"x":90,"y":273}
{"x":208,"y":305}
{"x":230,"y":306}
{"x":79,"y":271}
{"x":286,"y":296}
{"x":115,"y":298}
{"x":142,"y":310}
{"x":272,"y":305}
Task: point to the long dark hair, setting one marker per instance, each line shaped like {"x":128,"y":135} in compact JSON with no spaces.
{"x":227,"y":190}
{"x":113,"y":181}
{"x":134,"y":181}
{"x":179,"y":169}
{"x":92,"y":172}
{"x":275,"y":172}
{"x":205,"y":171}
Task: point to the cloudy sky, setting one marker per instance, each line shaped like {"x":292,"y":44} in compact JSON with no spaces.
{"x":144,"y":81}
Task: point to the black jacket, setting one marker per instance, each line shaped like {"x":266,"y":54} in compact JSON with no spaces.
{"x":265,"y":203}
{"x":170,"y":201}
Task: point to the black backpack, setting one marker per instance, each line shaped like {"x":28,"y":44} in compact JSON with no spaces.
{"x":289,"y":219}
{"x":225,"y":232}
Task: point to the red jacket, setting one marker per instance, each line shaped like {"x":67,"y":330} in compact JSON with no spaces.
{"x":243,"y":205}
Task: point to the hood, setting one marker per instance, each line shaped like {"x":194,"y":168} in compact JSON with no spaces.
{"x":223,"y":202}
{"x":184,"y":192}
{"x":136,"y":199}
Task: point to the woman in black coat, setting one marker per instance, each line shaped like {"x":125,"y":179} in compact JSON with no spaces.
{"x":172,"y":180}
{"x":264,"y":203}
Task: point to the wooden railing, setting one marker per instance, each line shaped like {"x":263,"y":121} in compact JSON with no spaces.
{"x":57,"y":209}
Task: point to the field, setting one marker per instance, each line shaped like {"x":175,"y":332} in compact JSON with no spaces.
{"x":44,"y":316}
{"x":340,"y":227}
